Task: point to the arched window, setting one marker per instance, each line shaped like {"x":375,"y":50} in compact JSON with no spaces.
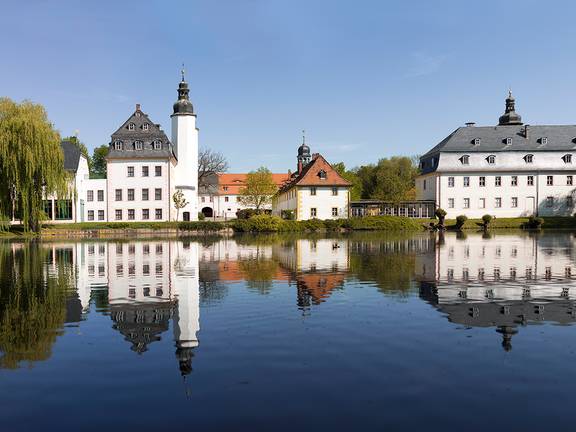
{"x":491,"y":159}
{"x":567,"y":158}
{"x":131,"y":126}
{"x":145,"y":126}
{"x":465,"y":160}
{"x":529,"y":158}
{"x":118,"y":145}
{"x":138,"y":145}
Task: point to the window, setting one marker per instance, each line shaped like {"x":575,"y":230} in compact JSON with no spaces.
{"x":514,"y":202}
{"x":549,"y":201}
{"x":450,"y":181}
{"x":145,"y":214}
{"x":530,"y":181}
{"x":145,"y":196}
{"x":118,"y":194}
{"x":203,"y":199}
{"x":450,"y":202}
{"x":567,"y":158}
{"x":313,"y":212}
{"x":158,"y":171}
{"x":476,"y":141}
{"x":529,"y":158}
{"x":569,"y":180}
{"x":157,"y":194}
{"x":482,"y":181}
{"x":424,"y":184}
{"x":334,"y":211}
{"x":157,"y":145}
{"x":131,"y":126}
{"x":491,"y":159}
{"x":569,"y":201}
{"x":549,"y":180}
{"x":130,"y":171}
{"x":145,"y":126}
{"x":118,"y":214}
{"x":90,"y":215}
{"x":466,"y":181}
{"x":498,"y":202}
{"x":131,"y":214}
{"x":465,"y":160}
{"x":508,"y":141}
{"x":90,"y":195}
{"x":312,"y":191}
{"x":158,"y":249}
{"x":145,"y":171}
{"x":130,"y":194}
{"x":322,"y":174}
{"x":100,"y":215}
{"x":335,"y":189}
{"x":497,"y":181}
{"x":482,"y":203}
{"x":466,"y":203}
{"x":543,"y":141}
{"x":100,"y":195}
{"x":158,"y":214}
{"x":514,"y":181}
{"x":118,"y":145}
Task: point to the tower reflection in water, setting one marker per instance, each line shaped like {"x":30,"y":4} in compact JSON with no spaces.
{"x":148,"y":284}
{"x":502,"y":281}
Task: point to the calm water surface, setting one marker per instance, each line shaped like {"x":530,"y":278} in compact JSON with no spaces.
{"x":360,"y":332}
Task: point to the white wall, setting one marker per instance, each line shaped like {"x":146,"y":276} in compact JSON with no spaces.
{"x":95,"y":185}
{"x":323,"y":202}
{"x":185,"y":141}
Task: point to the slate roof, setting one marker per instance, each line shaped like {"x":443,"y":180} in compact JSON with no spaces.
{"x":71,"y":155}
{"x":148,"y":137}
{"x":309,"y":175}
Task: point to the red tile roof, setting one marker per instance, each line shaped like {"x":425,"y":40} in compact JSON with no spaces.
{"x":310,"y":175}
{"x":232,"y":184}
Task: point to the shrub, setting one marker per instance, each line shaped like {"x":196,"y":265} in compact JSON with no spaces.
{"x":288,"y":215}
{"x":246,"y":213}
{"x":333,"y":224}
{"x":440,"y":213}
{"x":313,"y":225}
{"x":535,"y":222}
{"x":259,"y":223}
{"x":486,"y":219}
{"x":201,"y":216}
{"x":200,"y":226}
{"x":460,"y":221}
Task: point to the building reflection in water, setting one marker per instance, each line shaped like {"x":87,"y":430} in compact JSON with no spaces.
{"x":505,"y":281}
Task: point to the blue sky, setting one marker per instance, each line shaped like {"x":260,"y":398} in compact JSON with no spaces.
{"x":366,"y":79}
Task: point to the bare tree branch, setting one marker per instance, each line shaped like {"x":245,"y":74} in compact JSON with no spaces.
{"x":210,"y":162}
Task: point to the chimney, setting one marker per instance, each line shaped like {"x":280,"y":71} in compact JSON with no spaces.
{"x":299,"y":166}
{"x":137,"y":107}
{"x":470,"y":124}
{"x":526,"y":131}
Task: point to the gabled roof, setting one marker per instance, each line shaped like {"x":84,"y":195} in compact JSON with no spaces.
{"x":310,"y":175}
{"x":148,"y":137}
{"x":71,"y":155}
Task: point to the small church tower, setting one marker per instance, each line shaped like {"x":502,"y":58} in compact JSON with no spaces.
{"x":185,"y":141}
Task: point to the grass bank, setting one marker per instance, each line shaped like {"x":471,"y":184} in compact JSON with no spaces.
{"x":551,"y":222}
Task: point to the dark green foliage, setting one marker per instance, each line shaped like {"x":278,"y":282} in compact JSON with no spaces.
{"x":440,"y":213}
{"x":201,"y":216}
{"x":246,"y":213}
{"x":98,"y":168}
{"x":535,"y":222}
{"x":352,"y":177}
{"x":389,"y":180}
{"x":288,"y":215}
{"x":486,"y":219}
{"x":460,"y":221}
{"x":200,"y":226}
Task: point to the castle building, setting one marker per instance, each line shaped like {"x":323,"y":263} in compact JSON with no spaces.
{"x":314,"y":191}
{"x":508,"y":170}
{"x":145,"y":169}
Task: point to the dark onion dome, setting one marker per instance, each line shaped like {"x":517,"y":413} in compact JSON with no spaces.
{"x":510,"y":117}
{"x":183,"y":104}
{"x":304,"y":150}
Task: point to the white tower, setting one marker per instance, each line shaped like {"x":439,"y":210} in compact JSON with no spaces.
{"x":185,"y":141}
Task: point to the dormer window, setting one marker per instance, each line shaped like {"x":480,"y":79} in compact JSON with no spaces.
{"x":508,"y":141}
{"x":157,"y":145}
{"x":138,"y":145}
{"x":131,"y":126}
{"x":118,"y":145}
{"x":529,"y":158}
{"x":322,"y":174}
{"x":476,"y":141}
{"x":145,"y":126}
{"x":543,"y":141}
{"x":491,"y":159}
{"x":465,"y":160}
{"x":567,"y":158}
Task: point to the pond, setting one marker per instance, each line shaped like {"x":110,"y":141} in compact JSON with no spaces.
{"x":361,"y":331}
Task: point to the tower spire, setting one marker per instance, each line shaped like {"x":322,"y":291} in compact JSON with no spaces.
{"x":510,"y":117}
{"x":182,"y":71}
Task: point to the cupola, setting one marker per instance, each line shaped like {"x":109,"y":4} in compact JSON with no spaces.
{"x":510,"y":117}
{"x":183,"y":104}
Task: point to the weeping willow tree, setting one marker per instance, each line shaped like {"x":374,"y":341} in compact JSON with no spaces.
{"x":31,"y":163}
{"x":32,"y":303}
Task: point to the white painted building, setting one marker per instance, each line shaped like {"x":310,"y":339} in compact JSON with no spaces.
{"x":508,"y":170}
{"x":314,"y":191}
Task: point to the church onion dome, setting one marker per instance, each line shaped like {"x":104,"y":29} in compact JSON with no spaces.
{"x":510,"y":117}
{"x":183,"y":104}
{"x":304,"y":150}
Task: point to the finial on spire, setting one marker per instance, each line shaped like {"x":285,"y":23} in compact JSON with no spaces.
{"x":510,"y":92}
{"x":303,"y":136}
{"x":182,"y":71}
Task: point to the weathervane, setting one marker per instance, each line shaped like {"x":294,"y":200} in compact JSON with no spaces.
{"x":182,"y":71}
{"x":303,"y":136}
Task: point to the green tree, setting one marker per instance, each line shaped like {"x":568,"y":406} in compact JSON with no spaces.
{"x":259,"y":189}
{"x":31,"y":163}
{"x":98,"y":170}
{"x":390,"y":179}
{"x":352,"y":177}
{"x":179,"y":201}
